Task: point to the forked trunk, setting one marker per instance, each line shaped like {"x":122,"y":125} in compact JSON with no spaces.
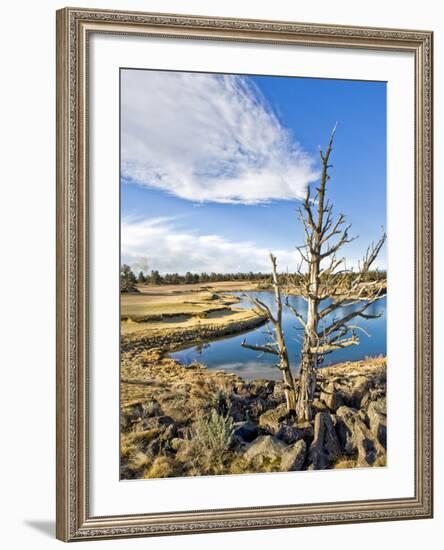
{"x":307,"y":379}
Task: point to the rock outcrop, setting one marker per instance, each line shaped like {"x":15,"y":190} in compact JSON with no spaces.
{"x":178,"y":421}
{"x":325,"y":448}
{"x":357,"y":439}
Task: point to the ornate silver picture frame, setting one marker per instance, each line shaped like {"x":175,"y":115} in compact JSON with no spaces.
{"x":75,"y":27}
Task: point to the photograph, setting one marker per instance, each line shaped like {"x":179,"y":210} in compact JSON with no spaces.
{"x":253,"y":274}
{"x":229,"y":213}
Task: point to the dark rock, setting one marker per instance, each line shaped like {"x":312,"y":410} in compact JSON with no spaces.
{"x":159,"y":421}
{"x":325,"y":448}
{"x":262,"y":388}
{"x":131,"y":415}
{"x":289,"y":434}
{"x":293,"y":459}
{"x":357,"y":439}
{"x":256,"y":407}
{"x":319,"y":406}
{"x":279,"y":392}
{"x":246,"y":432}
{"x":154,"y":447}
{"x":237,"y":408}
{"x":376,"y":413}
{"x":331,"y":396}
{"x":353,"y":391}
{"x":273,"y":417}
{"x":170,"y":432}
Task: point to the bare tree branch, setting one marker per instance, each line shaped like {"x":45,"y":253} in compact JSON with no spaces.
{"x":263,"y":349}
{"x":296,"y":313}
{"x":327,"y":347}
{"x":261,"y":306}
{"x":348,"y":317}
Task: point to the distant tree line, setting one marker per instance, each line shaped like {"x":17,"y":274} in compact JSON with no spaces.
{"x":155,"y":278}
{"x":128,"y":280}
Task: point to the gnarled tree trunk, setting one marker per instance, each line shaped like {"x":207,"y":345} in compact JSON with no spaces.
{"x":277,"y":346}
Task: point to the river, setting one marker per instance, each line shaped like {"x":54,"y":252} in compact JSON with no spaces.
{"x":228,"y":355}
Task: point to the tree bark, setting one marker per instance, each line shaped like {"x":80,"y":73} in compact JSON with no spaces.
{"x":307,"y":378}
{"x":307,"y":385}
{"x":277,"y":346}
{"x":309,"y":360}
{"x":284,"y":362}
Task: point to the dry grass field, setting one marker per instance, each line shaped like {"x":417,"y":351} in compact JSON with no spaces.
{"x":175,"y":307}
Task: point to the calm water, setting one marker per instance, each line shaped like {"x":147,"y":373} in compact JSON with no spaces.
{"x":227,"y":353}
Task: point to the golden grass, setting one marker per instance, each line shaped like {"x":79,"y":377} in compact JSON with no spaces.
{"x":140,"y":310}
{"x":156,"y":307}
{"x":162,"y":466}
{"x":227,"y":317}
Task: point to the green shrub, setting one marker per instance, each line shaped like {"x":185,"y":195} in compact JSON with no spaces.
{"x":213,"y":432}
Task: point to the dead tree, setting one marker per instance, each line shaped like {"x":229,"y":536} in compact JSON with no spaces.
{"x":276,"y":346}
{"x":323,"y":276}
{"x":328,"y":287}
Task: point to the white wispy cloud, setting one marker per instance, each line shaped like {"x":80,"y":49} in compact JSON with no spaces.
{"x":162,"y":244}
{"x":205,"y":137}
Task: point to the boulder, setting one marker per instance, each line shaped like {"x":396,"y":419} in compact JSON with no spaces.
{"x":279,"y":392}
{"x":325,"y":448}
{"x":293,"y":459}
{"x":256,"y":407}
{"x":131,"y":415}
{"x":331,"y":396}
{"x":262,"y":388}
{"x":238,"y":406}
{"x":353,"y":390}
{"x":373,"y":394}
{"x":377,"y":417}
{"x":290,"y":433}
{"x":357,"y":439}
{"x":265,"y":448}
{"x":246,"y":432}
{"x":272,"y":418}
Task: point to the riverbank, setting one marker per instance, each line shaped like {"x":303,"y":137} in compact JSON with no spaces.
{"x":171,"y":318}
{"x":187,"y":421}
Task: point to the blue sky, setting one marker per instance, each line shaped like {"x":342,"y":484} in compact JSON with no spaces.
{"x":213,"y":167}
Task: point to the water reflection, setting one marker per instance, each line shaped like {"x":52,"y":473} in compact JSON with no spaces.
{"x":227,"y":353}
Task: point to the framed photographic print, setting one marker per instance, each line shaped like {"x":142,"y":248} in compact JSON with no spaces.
{"x":244,"y":276}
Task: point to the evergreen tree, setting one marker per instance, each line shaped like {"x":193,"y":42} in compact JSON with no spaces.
{"x":127,"y":279}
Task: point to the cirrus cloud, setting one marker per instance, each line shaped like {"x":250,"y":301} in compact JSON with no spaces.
{"x":208,"y":138}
